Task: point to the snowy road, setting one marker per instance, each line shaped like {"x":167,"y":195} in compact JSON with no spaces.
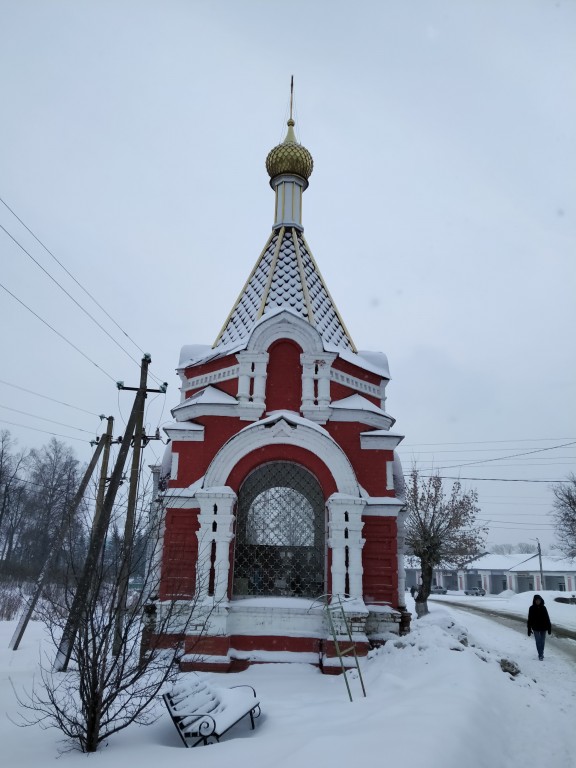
{"x":562,"y":641}
{"x":546,"y":690}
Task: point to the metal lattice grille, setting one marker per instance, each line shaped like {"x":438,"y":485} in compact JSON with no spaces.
{"x":280,"y":533}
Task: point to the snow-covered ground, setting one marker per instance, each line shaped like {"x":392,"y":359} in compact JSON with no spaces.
{"x":431,"y":701}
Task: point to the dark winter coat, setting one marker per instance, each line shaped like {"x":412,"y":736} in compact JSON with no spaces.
{"x":538,"y":619}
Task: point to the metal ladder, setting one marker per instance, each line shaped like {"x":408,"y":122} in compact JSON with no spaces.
{"x":337,"y":607}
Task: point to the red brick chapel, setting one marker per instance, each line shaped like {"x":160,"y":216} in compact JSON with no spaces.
{"x":282,"y":489}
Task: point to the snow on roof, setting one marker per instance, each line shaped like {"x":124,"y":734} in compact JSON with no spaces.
{"x":490,"y":562}
{"x":377,"y":362}
{"x":183,"y":426}
{"x":292,"y":418}
{"x":398,"y":478}
{"x":515,"y":562}
{"x":192,"y":352}
{"x":166,"y":462}
{"x":210,"y":395}
{"x":549,"y":564}
{"x":185,"y":493}
{"x":205,"y":353}
{"x":358,"y":403}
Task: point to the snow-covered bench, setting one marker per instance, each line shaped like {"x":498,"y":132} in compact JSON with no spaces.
{"x":201,"y":712}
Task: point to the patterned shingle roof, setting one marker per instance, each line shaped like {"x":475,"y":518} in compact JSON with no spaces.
{"x":286,"y":276}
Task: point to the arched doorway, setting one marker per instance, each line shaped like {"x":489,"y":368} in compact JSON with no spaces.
{"x":280,"y":533}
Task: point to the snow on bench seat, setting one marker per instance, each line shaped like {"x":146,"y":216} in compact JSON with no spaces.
{"x":202,"y":712}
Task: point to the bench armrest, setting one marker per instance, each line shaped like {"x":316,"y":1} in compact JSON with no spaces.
{"x":244,"y":686}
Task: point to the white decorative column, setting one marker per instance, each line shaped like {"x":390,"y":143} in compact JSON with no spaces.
{"x":345,"y":532}
{"x":259,"y":390}
{"x":156,"y":528}
{"x":401,"y":535}
{"x":316,"y":385}
{"x":338,"y":570}
{"x":252,"y":383}
{"x":216,"y":526}
{"x":355,"y":570}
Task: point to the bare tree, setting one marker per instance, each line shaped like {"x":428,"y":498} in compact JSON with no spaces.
{"x":565,"y":515}
{"x":441,"y":529}
{"x":12,"y":498}
{"x":102,"y":692}
{"x":502,"y":549}
{"x":522,"y":548}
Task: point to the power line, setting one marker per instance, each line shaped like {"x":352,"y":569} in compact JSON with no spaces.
{"x":71,"y":276}
{"x":484,"y":442}
{"x":463,"y":450}
{"x":519,"y":466}
{"x":495,"y":479}
{"x":43,"y":418}
{"x":511,"y":456}
{"x":518,"y":530}
{"x":58,"y":333}
{"x":515,"y":522}
{"x":83,"y":309}
{"x":545,"y":504}
{"x":60,"y":402}
{"x":90,"y":497}
{"x":46,"y":432}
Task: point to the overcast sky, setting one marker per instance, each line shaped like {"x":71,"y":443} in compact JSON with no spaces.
{"x":441,"y":210}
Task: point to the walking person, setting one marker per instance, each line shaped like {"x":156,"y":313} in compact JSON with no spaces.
{"x":539,"y":623}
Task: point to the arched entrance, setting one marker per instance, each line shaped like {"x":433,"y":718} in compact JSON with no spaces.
{"x":280,"y":533}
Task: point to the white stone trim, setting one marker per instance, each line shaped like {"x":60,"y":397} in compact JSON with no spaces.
{"x":285,"y":325}
{"x":216,"y":520}
{"x":357,"y":384}
{"x":224,"y":374}
{"x":316,"y":369}
{"x":362,"y":416}
{"x":400,"y":538}
{"x":383,"y":507}
{"x":389,"y":475}
{"x":256,"y":436}
{"x":184,"y":432}
{"x":174,"y":465}
{"x":252,"y":382}
{"x":379,"y":440}
{"x":191,"y":409}
{"x":246,"y":617}
{"x":288,"y":208}
{"x":345,"y":531}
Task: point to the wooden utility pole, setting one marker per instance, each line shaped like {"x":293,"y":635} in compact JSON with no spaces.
{"x":103,"y":473}
{"x":128,"y":544}
{"x":55,"y":548}
{"x":98,"y":537}
{"x":540,"y":561}
{"x":100,"y":529}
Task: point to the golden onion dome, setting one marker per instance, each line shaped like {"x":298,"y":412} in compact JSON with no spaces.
{"x":289,"y":157}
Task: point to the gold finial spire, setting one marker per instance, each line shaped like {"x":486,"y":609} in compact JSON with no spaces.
{"x":290,"y":157}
